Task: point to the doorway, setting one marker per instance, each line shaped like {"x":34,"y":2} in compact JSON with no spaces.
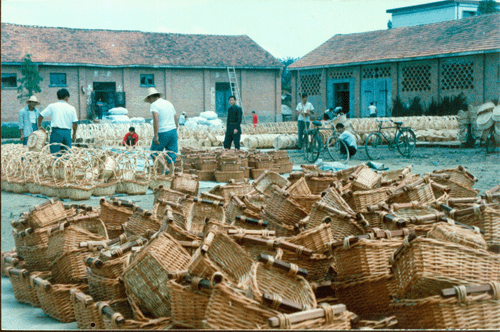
{"x":105,"y":92}
{"x":378,"y":92}
{"x":222,"y":94}
{"x":342,"y":96}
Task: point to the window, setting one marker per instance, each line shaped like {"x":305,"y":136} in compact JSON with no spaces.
{"x":310,"y":84}
{"x":457,"y":76}
{"x":467,"y":13}
{"x":57,"y":79}
{"x":147,"y":80}
{"x":9,"y":81}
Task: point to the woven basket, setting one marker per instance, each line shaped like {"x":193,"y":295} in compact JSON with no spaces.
{"x":79,"y":192}
{"x":363,"y":199}
{"x":265,"y":279}
{"x":186,"y":183}
{"x":459,"y":175}
{"x":456,"y":190}
{"x":48,"y":213}
{"x":69,"y":267}
{"x":368,"y":297}
{"x":35,"y":257}
{"x":122,"y":320}
{"x":114,"y":214}
{"x":206,"y":175}
{"x":306,"y":202}
{"x":189,"y":304}
{"x":281,"y":229}
{"x":86,"y":312}
{"x":478,"y":311}
{"x":136,"y":187}
{"x":299,"y":188}
{"x":229,"y":308}
{"x":255,"y":250}
{"x":395,"y":177}
{"x":23,"y":291}
{"x":206,"y":164}
{"x":238,"y":189}
{"x":55,"y":299}
{"x":169,"y":195}
{"x":264,"y":183}
{"x":427,"y":265}
{"x":202,"y":210}
{"x":281,"y":207}
{"x":318,"y":182}
{"x":222,"y":255}
{"x":226,"y":176}
{"x":316,"y":265}
{"x":105,"y":289}
{"x":230,"y":166}
{"x":30,"y":237}
{"x":140,"y":222}
{"x":256,"y":173}
{"x":450,"y":233}
{"x":67,"y":238}
{"x":147,"y":275}
{"x":316,"y":239}
{"x":105,"y":189}
{"x":285,"y":168}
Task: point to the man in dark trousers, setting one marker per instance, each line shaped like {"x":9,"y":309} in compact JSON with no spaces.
{"x":233,"y":129}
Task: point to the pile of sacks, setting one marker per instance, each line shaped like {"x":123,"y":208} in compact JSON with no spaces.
{"x":321,"y":250}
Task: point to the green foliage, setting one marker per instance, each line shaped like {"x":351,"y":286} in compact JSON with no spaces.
{"x":448,"y":106}
{"x":487,"y":7}
{"x":389,"y":24}
{"x":398,"y":108}
{"x":286,"y":76}
{"x":415,"y":108}
{"x":30,"y":80}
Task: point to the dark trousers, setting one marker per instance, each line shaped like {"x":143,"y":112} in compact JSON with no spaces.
{"x":131,"y":141}
{"x":62,"y":136}
{"x":232,"y":137}
{"x":168,"y":142}
{"x":373,"y":115}
{"x":302,"y":126}
{"x":352,"y":149}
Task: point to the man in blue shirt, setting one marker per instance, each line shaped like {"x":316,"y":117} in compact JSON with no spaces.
{"x":348,"y":138}
{"x":28,"y":117}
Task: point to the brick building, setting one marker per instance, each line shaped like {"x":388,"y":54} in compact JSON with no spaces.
{"x":119,"y":66}
{"x":429,"y":61}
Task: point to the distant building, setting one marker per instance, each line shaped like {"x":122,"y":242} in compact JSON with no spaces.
{"x":429,"y":61}
{"x":433,"y":12}
{"x":119,"y":66}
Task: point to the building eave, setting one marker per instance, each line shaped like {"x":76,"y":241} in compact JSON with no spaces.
{"x":137,"y":66}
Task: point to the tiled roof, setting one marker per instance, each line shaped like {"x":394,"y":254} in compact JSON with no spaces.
{"x":473,"y":34}
{"x":130,"y":48}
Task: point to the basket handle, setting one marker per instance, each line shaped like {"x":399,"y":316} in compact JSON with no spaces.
{"x":276,"y":302}
{"x":11,"y":260}
{"x":454,"y":201}
{"x":238,"y":201}
{"x":93,"y":262}
{"x":376,"y":234}
{"x":448,"y":292}
{"x":127,"y":247}
{"x":287,"y":267}
{"x":398,"y":251}
{"x":106,"y":310}
{"x":441,"y":187}
{"x":244,"y":219}
{"x":214,"y":197}
{"x":306,"y":315}
{"x":17,"y":272}
{"x":204,"y":201}
{"x":37,"y":281}
{"x":251,"y":232}
{"x":257,"y":180}
{"x":466,"y":172}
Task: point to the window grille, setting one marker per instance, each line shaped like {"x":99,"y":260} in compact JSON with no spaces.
{"x":416,"y":78}
{"x":340,"y":74}
{"x":310,"y":84}
{"x":457,"y":76}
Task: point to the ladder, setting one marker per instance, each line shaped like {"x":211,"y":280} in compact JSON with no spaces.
{"x":235,"y":89}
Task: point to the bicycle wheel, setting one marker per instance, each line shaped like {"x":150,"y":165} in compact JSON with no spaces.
{"x":374,"y":146}
{"x":335,"y":146}
{"x":406,"y":141}
{"x":312,"y":146}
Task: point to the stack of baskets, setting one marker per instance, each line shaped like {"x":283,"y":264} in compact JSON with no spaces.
{"x":367,"y":251}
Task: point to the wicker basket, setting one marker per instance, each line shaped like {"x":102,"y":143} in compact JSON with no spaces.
{"x":186,"y":183}
{"x":169,"y":195}
{"x":219,"y":253}
{"x":457,"y":190}
{"x":459,"y":175}
{"x":225,"y":191}
{"x":369,"y":297}
{"x":189,"y":304}
{"x":114,"y":213}
{"x":299,"y":188}
{"x":286,"y":168}
{"x":281,"y":207}
{"x":31,"y":237}
{"x":230,"y":166}
{"x":264,"y":183}
{"x":147,"y":275}
{"x":306,"y":202}
{"x":364,"y":199}
{"x":23,"y":291}
{"x":226,"y":176}
{"x":105,"y":289}
{"x":475,"y":311}
{"x":79,"y":192}
{"x":424,"y":266}
{"x":86,"y":312}
{"x":206,"y":175}
{"x":318,"y":182}
{"x":105,"y":189}
{"x":55,"y":299}
{"x":140,"y":222}
{"x":316,"y":265}
{"x":35,"y":257}
{"x":251,"y":248}
{"x":283,"y":284}
{"x":449,"y":233}
{"x":395,"y":177}
{"x":229,"y":308}
{"x":202,"y":210}
{"x":281,"y":229}
{"x":67,"y":237}
{"x":48,"y":213}
{"x":122,"y":320}
{"x":206,"y":165}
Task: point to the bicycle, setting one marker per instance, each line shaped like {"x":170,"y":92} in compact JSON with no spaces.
{"x":313,"y":143}
{"x":404,"y":140}
{"x":490,"y":143}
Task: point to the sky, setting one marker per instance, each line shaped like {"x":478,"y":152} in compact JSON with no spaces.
{"x":285,"y":28}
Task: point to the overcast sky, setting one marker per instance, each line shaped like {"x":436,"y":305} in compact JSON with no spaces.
{"x":285,"y":28}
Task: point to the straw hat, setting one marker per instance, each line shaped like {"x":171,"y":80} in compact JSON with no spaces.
{"x":496,"y":113}
{"x":152,"y":91}
{"x":485,"y":107}
{"x":33,"y":99}
{"x":485,"y":120}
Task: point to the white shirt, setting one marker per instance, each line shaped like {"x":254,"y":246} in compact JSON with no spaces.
{"x":373,"y":109}
{"x":349,"y":139}
{"x":33,"y":116}
{"x":182,"y":119}
{"x":63,"y":114}
{"x":166,"y":114}
{"x":300,"y":107}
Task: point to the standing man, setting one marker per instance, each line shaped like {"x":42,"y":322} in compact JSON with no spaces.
{"x":99,"y":107}
{"x":164,"y":124}
{"x":255,"y":120}
{"x":182,"y":119}
{"x":373,"y":110}
{"x":304,"y":110}
{"x":233,"y":128}
{"x":28,"y":118}
{"x":63,"y":118}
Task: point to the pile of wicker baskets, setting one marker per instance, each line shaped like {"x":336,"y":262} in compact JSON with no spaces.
{"x":323,"y":250}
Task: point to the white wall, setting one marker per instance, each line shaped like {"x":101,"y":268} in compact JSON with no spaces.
{"x":431,"y":15}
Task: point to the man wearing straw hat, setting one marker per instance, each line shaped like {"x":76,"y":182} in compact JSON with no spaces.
{"x":27,"y":119}
{"x":164,"y":123}
{"x":63,"y":119}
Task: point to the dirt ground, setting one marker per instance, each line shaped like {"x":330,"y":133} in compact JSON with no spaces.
{"x":485,"y":167}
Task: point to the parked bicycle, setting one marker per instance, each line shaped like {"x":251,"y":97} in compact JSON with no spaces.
{"x":313,"y":144}
{"x":404,"y":140}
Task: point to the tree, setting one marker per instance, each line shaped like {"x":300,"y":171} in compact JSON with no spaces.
{"x":487,"y":7}
{"x":286,"y":77}
{"x":389,"y":24}
{"x":30,"y":80}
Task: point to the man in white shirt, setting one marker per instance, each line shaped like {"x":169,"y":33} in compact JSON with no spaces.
{"x":63,"y":118}
{"x":182,"y":119}
{"x":164,"y":124}
{"x":28,"y":118}
{"x":373,"y":110}
{"x":304,"y":110}
{"x":348,"y":138}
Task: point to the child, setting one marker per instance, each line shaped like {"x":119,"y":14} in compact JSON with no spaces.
{"x":348,"y":138}
{"x":131,"y":138}
{"x":255,"y":120}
